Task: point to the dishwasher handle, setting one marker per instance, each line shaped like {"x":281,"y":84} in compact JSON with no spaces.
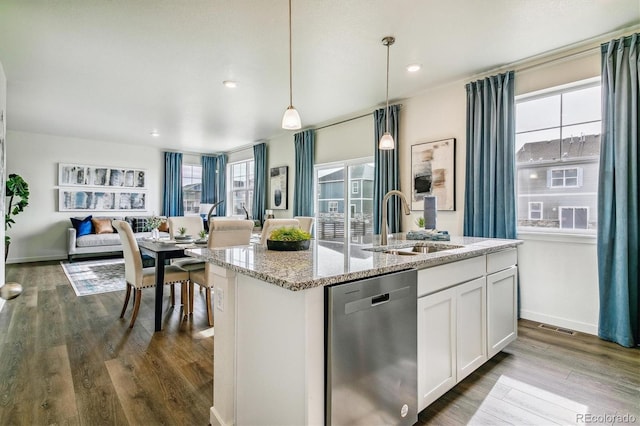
{"x":380,"y":299}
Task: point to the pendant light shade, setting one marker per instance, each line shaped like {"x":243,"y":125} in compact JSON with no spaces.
{"x":386,"y":141}
{"x":291,"y":119}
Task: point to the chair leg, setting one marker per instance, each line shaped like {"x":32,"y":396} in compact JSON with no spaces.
{"x":126,"y":300}
{"x":136,"y":306}
{"x":173,"y":294}
{"x":184,"y":297}
{"x":209,"y":309}
{"x":190,"y":297}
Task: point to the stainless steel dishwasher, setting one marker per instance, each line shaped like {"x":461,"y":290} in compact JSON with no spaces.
{"x":371,"y":351}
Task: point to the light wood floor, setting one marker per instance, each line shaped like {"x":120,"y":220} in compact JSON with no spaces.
{"x":70,"y":360}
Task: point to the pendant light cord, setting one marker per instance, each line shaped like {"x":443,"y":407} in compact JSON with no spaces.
{"x":387,"y":108}
{"x":290,"y":61}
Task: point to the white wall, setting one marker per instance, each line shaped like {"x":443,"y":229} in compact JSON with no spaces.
{"x":40,"y":231}
{"x":3,"y":108}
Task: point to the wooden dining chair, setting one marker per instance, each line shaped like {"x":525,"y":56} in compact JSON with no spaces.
{"x":222,"y":233}
{"x":138,"y":277}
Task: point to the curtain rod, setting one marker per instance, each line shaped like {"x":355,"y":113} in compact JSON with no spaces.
{"x":346,"y":120}
{"x":558,"y":55}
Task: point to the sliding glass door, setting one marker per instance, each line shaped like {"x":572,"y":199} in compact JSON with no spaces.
{"x":344,"y":202}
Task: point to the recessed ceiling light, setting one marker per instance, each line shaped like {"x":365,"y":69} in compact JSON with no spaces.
{"x":230,"y":83}
{"x":155,"y":133}
{"x":414,"y":67}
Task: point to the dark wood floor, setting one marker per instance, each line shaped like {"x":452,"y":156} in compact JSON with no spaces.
{"x":71,"y":360}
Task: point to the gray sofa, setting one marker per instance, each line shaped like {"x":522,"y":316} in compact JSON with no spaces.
{"x":101,"y":244}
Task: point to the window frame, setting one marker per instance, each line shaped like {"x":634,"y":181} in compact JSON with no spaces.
{"x":247,"y":189}
{"x":196,"y":203}
{"x":540,"y":210}
{"x":564,"y":132}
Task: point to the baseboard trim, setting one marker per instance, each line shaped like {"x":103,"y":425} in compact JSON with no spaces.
{"x":560,"y":322}
{"x":214,"y":417}
{"x":35,"y":259}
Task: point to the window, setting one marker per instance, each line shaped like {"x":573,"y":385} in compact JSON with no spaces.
{"x":241,"y":187}
{"x":191,"y":188}
{"x":557,"y":155}
{"x":355,"y":187}
{"x":333,"y":206}
{"x":574,"y":217}
{"x":565,"y":178}
{"x":535,"y":210}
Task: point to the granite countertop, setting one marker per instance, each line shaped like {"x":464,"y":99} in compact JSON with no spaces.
{"x":327,"y":262}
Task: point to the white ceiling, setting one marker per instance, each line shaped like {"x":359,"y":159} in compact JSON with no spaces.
{"x":115,"y":70}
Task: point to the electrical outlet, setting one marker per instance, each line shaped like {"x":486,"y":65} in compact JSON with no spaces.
{"x":219,"y":296}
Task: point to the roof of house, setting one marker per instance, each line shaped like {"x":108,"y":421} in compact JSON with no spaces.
{"x":585,"y":146}
{"x":362,"y":171}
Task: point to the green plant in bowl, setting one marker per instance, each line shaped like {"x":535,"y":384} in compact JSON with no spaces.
{"x":420,"y":222}
{"x":288,"y":238}
{"x":182,"y":231}
{"x":202,"y":234}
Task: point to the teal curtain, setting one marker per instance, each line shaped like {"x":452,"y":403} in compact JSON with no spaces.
{"x":259,"y":181}
{"x":618,"y":193}
{"x":490,"y":196}
{"x":209,"y":172}
{"x":172,"y":199}
{"x":221,"y":186}
{"x":303,"y":189}
{"x":386,"y":175}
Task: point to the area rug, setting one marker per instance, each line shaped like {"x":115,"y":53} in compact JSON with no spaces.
{"x":95,"y":276}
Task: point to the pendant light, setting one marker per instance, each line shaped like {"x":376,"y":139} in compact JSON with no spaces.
{"x":386,"y":141}
{"x":291,"y":118}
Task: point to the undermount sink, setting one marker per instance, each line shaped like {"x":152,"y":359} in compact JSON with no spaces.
{"x":419,"y":249}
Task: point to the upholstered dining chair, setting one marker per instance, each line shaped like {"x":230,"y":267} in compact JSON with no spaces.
{"x":138,"y":277}
{"x":222,"y":233}
{"x":194,"y":225}
{"x":272,"y":224}
{"x":306,"y":223}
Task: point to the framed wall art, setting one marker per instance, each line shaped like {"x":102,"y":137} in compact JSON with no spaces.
{"x":433,"y":173}
{"x":101,"y":200}
{"x":114,"y":177}
{"x":278,"y":191}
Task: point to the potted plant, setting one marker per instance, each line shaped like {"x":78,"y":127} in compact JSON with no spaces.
{"x":18,"y":192}
{"x":288,"y":238}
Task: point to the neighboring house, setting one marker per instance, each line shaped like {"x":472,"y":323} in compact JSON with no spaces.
{"x":331,"y":192}
{"x":558,"y":183}
{"x":191,"y":197}
{"x":331,"y":202}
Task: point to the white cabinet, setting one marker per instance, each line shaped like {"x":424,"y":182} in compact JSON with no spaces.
{"x":502,"y":300}
{"x":502,"y":305}
{"x":436,"y":345}
{"x":451,"y":338}
{"x":471,"y":327}
{"x":467,"y":313}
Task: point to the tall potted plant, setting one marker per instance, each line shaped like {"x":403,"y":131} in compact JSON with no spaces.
{"x":17,"y":190}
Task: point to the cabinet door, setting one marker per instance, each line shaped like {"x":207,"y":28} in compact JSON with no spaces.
{"x":471,"y":299}
{"x":502,"y":299}
{"x":436,"y":346}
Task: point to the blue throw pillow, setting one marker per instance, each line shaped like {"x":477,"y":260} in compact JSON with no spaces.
{"x":83,"y":226}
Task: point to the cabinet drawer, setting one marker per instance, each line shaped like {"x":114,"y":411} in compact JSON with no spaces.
{"x":443,"y":276}
{"x":501,"y":260}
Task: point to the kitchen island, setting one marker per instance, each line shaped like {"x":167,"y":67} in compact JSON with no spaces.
{"x":269,"y":319}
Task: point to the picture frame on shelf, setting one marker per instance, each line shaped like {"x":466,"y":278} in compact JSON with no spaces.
{"x":433,"y":173}
{"x":278,"y":188}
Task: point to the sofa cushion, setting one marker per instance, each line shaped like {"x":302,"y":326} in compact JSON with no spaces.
{"x":139,"y":224}
{"x":83,"y":226}
{"x":102,"y":226}
{"x":164,"y":226}
{"x":96,"y":240}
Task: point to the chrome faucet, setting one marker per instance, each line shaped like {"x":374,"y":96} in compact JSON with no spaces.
{"x":405,"y":206}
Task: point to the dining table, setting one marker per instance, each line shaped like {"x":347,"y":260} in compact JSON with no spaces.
{"x":161,"y":251}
